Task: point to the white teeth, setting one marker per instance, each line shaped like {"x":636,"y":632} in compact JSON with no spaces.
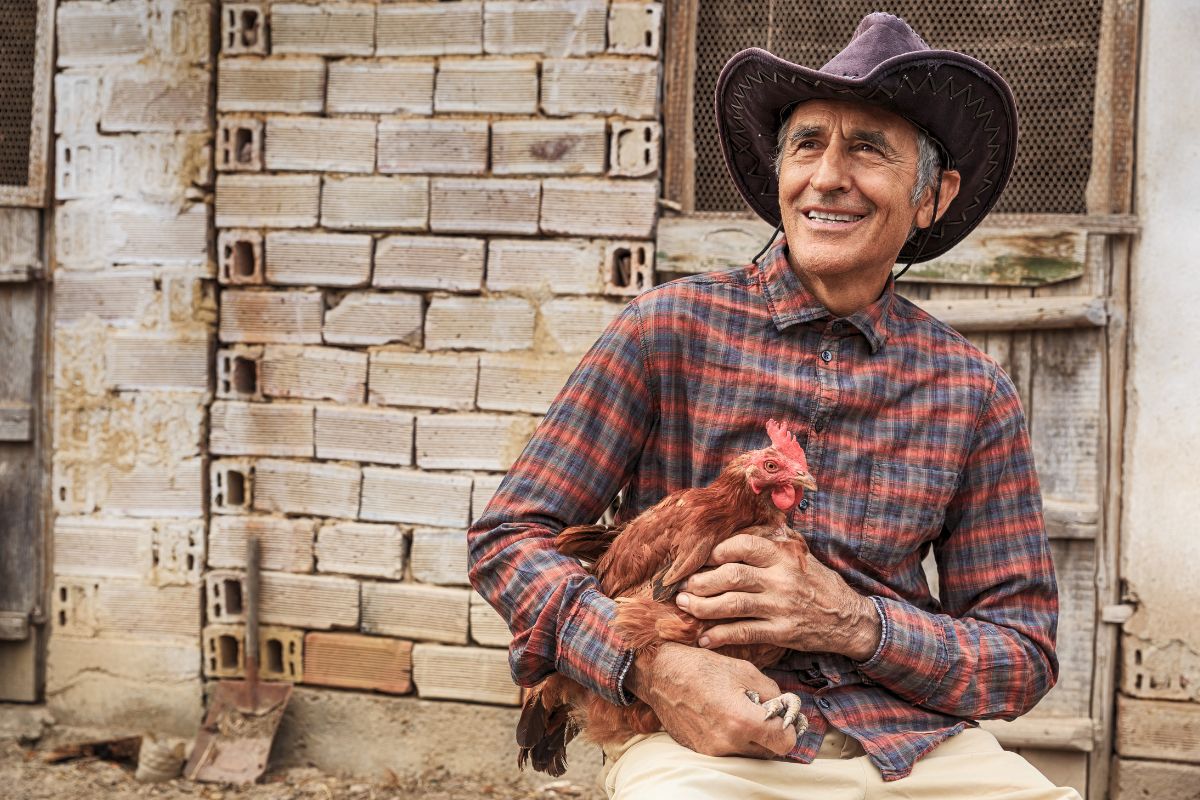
{"x":827,"y":217}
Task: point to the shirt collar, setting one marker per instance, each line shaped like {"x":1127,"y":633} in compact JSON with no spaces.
{"x":791,"y":304}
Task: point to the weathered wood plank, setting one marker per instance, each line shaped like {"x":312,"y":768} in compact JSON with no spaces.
{"x":16,"y":421}
{"x":1066,"y":519}
{"x":679,"y":78}
{"x":1067,"y":398}
{"x":1008,"y":257}
{"x":1018,"y":313}
{"x":1158,"y":729}
{"x":1057,"y":733}
{"x":1075,"y":565}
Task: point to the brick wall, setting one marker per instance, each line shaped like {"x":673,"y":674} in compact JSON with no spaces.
{"x":425,"y":213}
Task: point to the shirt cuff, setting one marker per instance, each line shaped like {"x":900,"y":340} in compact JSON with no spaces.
{"x":911,"y":658}
{"x":591,"y":653}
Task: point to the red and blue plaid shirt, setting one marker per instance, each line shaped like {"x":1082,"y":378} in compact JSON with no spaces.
{"x":917,"y":441}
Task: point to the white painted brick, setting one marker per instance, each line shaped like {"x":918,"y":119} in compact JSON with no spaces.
{"x":292,"y":487}
{"x":341,"y":29}
{"x":482,"y":87}
{"x":261,"y":429}
{"x":479,"y":674}
{"x":430,"y":146}
{"x":520,"y":382}
{"x":158,"y":235}
{"x":318,"y":143}
{"x":600,"y":86}
{"x":548,"y":27}
{"x":487,"y":627}
{"x":286,"y":544}
{"x":87,"y":166}
{"x":374,"y":435}
{"x":310,"y":601}
{"x":429,"y":262}
{"x":271,"y":317}
{"x":574,"y":324}
{"x":432,"y":613}
{"x":20,"y":241}
{"x":484,"y":205}
{"x":155,"y":491}
{"x":82,"y":237}
{"x":360,"y":548}
{"x":635,"y":149}
{"x":95,"y":546}
{"x":423,"y":379}
{"x":239,"y":144}
{"x":294,"y":85}
{"x":112,"y":296}
{"x":482,"y":491}
{"x":381,"y":87}
{"x":628,"y":268}
{"x":435,"y":29}
{"x":375,"y":202}
{"x":561,"y":266}
{"x":599,"y":208}
{"x":147,"y":166}
{"x":318,"y":259}
{"x":439,"y":556}
{"x":240,"y":258}
{"x":404,"y":495}
{"x":181,"y":31}
{"x":634,"y":28}
{"x":177,"y":552}
{"x":101,"y":33}
{"x":157,"y":361}
{"x":268,"y":201}
{"x":479,"y":324}
{"x":471,"y":441}
{"x":316,"y":373}
{"x":243,"y":29}
{"x":150,"y":101}
{"x":77,"y":101}
{"x":116,"y":607}
{"x":375,"y":318}
{"x":551,"y":147}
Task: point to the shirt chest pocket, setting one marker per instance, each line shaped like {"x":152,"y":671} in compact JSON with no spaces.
{"x":906,"y":507}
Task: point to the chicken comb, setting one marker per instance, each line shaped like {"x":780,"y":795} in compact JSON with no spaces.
{"x":785,"y":442}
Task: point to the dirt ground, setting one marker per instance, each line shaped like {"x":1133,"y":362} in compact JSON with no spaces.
{"x":24,"y":775}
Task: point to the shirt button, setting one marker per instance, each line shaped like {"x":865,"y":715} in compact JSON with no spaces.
{"x":836,"y":326}
{"x":826,"y":356}
{"x":804,"y":504}
{"x":823,"y":703}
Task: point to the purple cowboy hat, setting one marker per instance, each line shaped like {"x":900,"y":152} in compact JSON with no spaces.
{"x":959,"y":101}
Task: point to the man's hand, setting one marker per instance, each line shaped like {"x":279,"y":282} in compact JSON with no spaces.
{"x":776,"y":594}
{"x":700,"y":698}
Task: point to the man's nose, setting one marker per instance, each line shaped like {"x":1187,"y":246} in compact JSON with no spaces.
{"x":832,"y":171}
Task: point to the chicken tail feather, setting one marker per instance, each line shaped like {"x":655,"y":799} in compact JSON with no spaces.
{"x":586,"y":542}
{"x":544,"y":730}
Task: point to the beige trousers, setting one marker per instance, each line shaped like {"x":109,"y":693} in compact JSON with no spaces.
{"x":971,"y":764}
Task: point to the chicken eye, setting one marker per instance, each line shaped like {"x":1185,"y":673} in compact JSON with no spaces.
{"x":771,"y":466}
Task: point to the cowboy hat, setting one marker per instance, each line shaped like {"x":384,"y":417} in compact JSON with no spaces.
{"x":960,"y":102}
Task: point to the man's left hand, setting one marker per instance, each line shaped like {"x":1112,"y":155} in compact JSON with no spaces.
{"x":768,"y":592}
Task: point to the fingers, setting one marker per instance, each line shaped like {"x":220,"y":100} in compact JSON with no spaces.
{"x":753,"y":550}
{"x":741,"y":632}
{"x":726,"y":578}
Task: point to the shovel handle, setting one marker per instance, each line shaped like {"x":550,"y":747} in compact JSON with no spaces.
{"x":252,"y":587}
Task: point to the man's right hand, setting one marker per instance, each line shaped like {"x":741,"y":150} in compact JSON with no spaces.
{"x":700,"y":698}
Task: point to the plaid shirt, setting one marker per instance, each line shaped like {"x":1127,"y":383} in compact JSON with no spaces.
{"x":916,"y":440}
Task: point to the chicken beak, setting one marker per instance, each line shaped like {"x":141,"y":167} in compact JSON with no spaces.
{"x":806,"y":481}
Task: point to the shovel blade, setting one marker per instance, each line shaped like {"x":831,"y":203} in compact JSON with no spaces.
{"x":235,"y":740}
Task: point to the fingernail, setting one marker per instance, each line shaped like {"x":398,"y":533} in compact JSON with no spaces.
{"x":703,"y":641}
{"x":682,"y":600}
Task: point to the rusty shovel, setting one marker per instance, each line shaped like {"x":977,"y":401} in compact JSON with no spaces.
{"x":235,"y":739}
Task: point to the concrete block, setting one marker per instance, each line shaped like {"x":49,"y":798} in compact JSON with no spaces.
{"x":271,"y":317}
{"x":548,"y":27}
{"x":294,"y":85}
{"x":281,"y":653}
{"x":157,"y":235}
{"x":584,"y":207}
{"x":464,"y":673}
{"x":375,"y":202}
{"x":261,"y":429}
{"x":224,"y":648}
{"x":520,"y":382}
{"x":434,"y":29}
{"x":110,"y":296}
{"x":423,"y":379}
{"x":560,"y":266}
{"x":156,"y":361}
{"x":634,"y":28}
{"x":318,"y":259}
{"x":1133,"y":780}
{"x":374,"y":435}
{"x":107,"y":607}
{"x":291,"y":487}
{"x":243,"y":29}
{"x":267,"y":201}
{"x":482,"y":491}
{"x":487,"y":627}
{"x":88,"y":166}
{"x":600,"y":86}
{"x":316,"y":373}
{"x":240,"y":258}
{"x":551,"y":147}
{"x":375,"y":318}
{"x":20,"y":241}
{"x":177,"y":552}
{"x":239,"y":144}
{"x":101,"y":33}
{"x":433,"y":146}
{"x":151,"y":101}
{"x":101,"y":547}
{"x":401,"y":495}
{"x":181,"y":31}
{"x":634,"y":149}
{"x":237,"y":373}
{"x":331,"y":144}
{"x":286,"y":545}
{"x":471,"y":441}
{"x":334,"y":29}
{"x":77,"y":105}
{"x":628,"y":268}
{"x":439,"y":556}
{"x":480,"y":323}
{"x":75,"y":485}
{"x":225,"y":596}
{"x":484,"y":205}
{"x":431,"y":613}
{"x":574,"y":324}
{"x":231,"y":485}
{"x":429,"y":262}
{"x":487,"y":87}
{"x":353,"y":661}
{"x":380,"y":87}
{"x":146,"y":491}
{"x":361,"y":548}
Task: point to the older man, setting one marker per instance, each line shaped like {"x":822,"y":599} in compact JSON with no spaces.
{"x":892,"y":151}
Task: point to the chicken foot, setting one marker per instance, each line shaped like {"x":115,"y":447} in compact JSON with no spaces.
{"x":787,"y":705}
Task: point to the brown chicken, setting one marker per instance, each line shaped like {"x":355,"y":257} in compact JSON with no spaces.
{"x":642,"y":564}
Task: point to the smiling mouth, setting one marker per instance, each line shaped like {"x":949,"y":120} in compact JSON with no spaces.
{"x":830,"y":218}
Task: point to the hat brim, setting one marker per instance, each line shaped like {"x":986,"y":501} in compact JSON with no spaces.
{"x":958,"y":100}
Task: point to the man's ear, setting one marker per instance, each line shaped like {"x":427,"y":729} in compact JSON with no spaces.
{"x":951,"y":181}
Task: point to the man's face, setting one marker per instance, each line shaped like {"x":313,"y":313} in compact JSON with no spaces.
{"x":846,"y":178}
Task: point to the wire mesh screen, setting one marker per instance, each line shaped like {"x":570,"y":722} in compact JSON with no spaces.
{"x":1046,"y":51}
{"x":18,"y":47}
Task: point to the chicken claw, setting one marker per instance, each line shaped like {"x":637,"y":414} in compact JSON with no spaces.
{"x":787,"y":705}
